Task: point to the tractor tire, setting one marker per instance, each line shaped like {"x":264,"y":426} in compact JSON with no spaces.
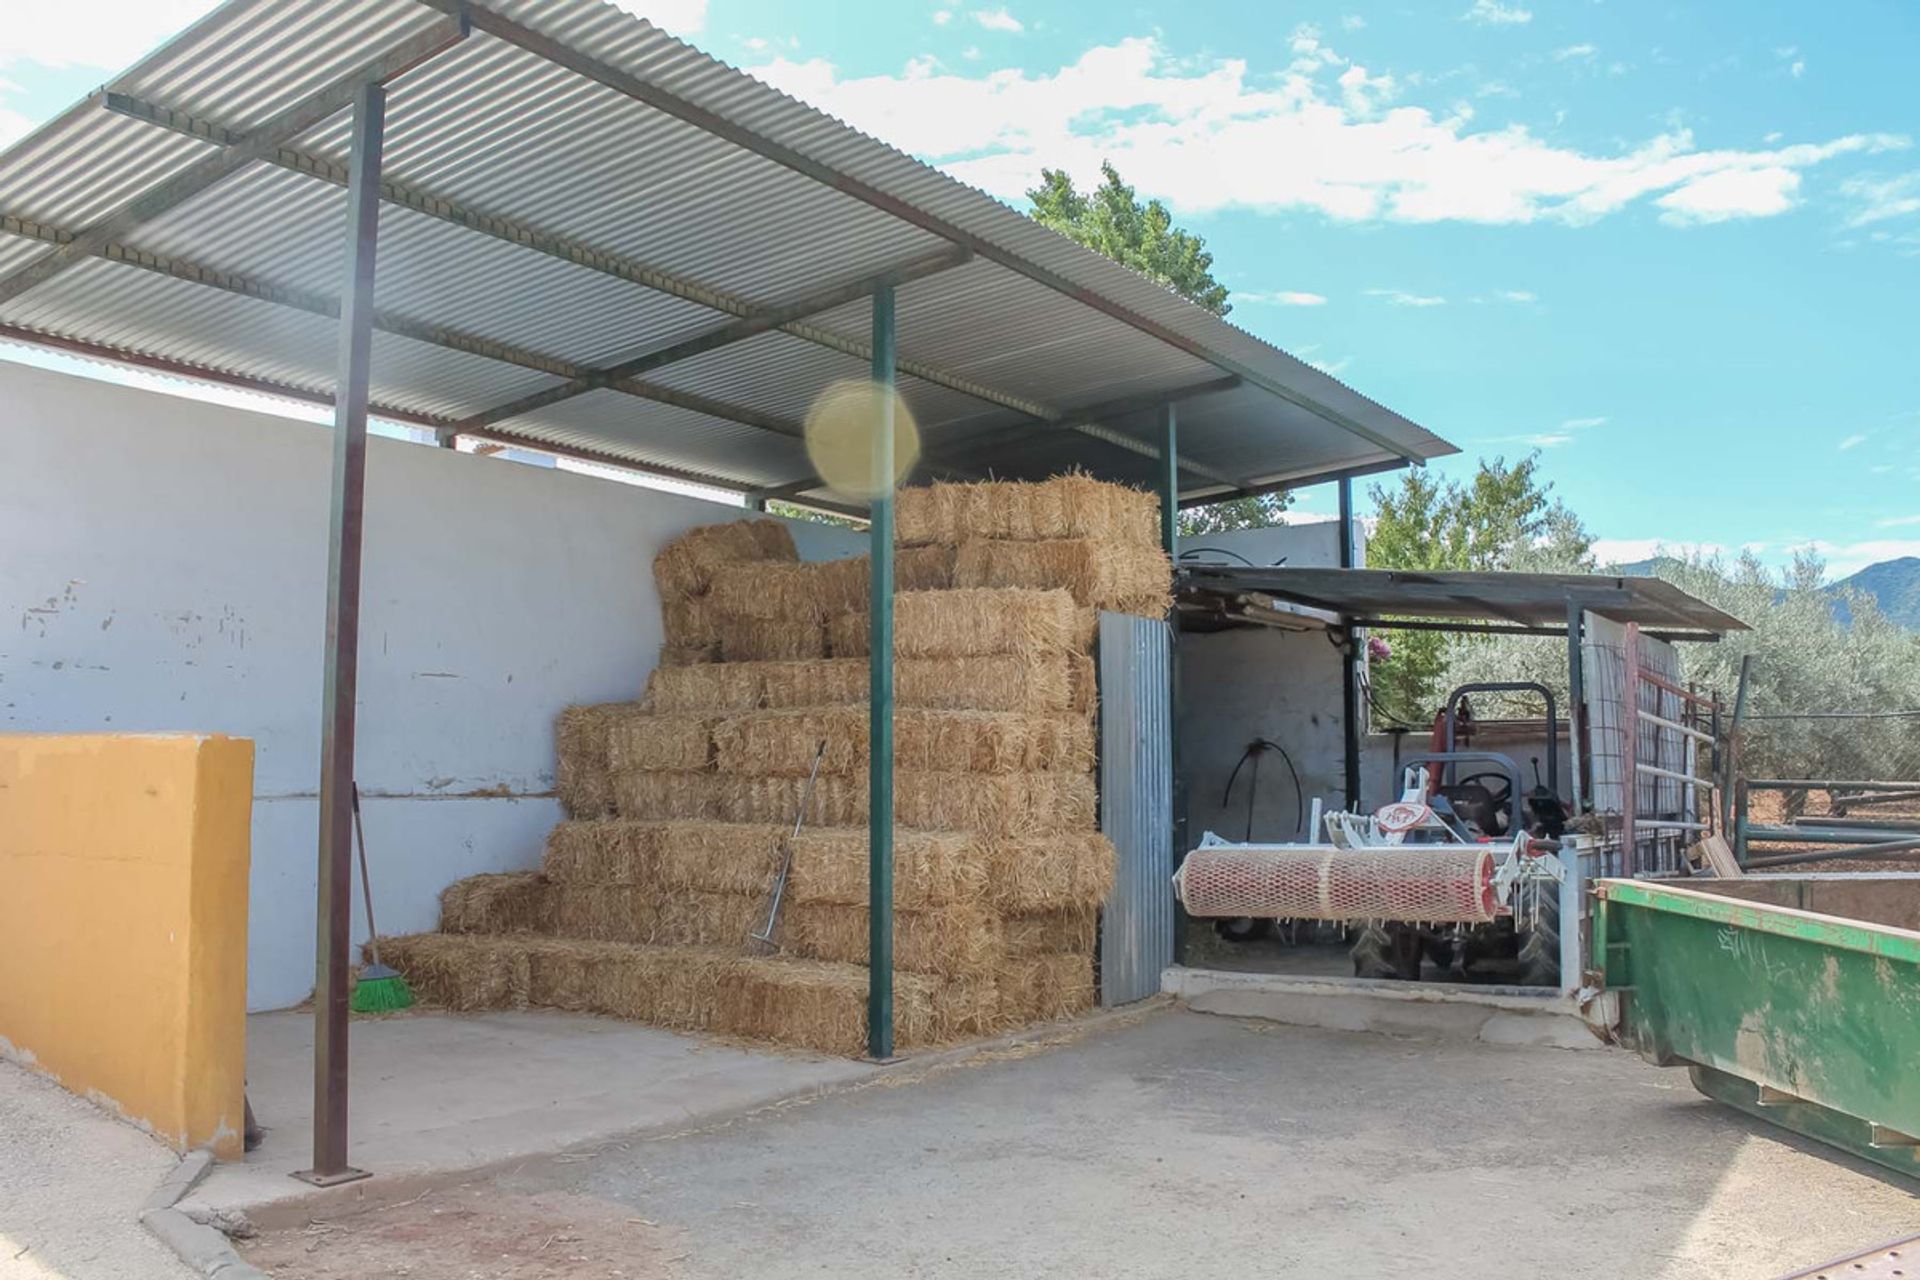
{"x":1384,"y":952}
{"x":1243,"y":929}
{"x":1540,"y":947}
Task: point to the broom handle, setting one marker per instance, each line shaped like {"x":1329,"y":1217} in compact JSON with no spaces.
{"x":366,"y":884}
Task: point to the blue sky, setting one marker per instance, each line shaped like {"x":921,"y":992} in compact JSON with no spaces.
{"x":1676,"y":247}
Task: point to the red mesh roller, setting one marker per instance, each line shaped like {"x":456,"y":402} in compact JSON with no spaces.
{"x":1429,"y":884}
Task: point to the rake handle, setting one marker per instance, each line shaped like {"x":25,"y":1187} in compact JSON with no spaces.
{"x":366,"y":882}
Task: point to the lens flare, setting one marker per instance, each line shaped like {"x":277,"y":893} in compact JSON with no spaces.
{"x":841,"y":430}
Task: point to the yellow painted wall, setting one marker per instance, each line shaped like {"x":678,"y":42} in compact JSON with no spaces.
{"x":123,"y":923}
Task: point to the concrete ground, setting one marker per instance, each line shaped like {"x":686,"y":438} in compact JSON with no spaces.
{"x":432,"y":1092}
{"x":72,"y":1181}
{"x":1178,"y":1144}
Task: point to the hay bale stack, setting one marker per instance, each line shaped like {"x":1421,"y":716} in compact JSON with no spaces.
{"x":683,"y":804}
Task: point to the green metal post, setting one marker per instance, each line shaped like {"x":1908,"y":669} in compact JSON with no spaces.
{"x":880,"y":697}
{"x":1170,"y":488}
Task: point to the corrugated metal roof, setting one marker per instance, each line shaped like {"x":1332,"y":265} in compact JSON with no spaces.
{"x":544,"y":221}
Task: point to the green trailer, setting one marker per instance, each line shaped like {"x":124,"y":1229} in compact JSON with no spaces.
{"x":1794,"y":998}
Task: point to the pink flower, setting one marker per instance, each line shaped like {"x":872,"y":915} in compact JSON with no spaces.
{"x":1378,"y":650}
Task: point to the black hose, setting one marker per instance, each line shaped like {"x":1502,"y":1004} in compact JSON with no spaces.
{"x":1253,"y":752}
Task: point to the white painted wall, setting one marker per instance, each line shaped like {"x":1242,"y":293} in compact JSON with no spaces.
{"x":1258,"y":682}
{"x":165,"y":569}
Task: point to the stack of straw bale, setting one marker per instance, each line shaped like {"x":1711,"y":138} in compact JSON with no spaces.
{"x":681,"y":805}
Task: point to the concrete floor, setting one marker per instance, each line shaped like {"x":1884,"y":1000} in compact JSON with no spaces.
{"x":1181,"y":1144}
{"x":433,"y":1092}
{"x":72,"y":1181}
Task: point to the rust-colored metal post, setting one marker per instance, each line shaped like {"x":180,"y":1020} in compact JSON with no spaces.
{"x":334,"y":917}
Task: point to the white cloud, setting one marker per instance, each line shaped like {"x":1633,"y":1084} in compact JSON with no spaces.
{"x":1494,"y":14}
{"x":941,"y":17}
{"x":1332,"y":368}
{"x":1575,"y":51}
{"x":1518,"y":295}
{"x":1730,"y":193}
{"x":1629,"y":550}
{"x":1204,"y":133}
{"x":1882,"y":198}
{"x":1798,"y":69}
{"x":1852,"y":441}
{"x":998,"y":20}
{"x":1352,"y":22}
{"x":680,"y":17}
{"x":1281,"y":298}
{"x":1565,"y":433}
{"x":1401,"y":298}
{"x":1896,"y":522}
{"x":110,"y":34}
{"x":1845,"y":559}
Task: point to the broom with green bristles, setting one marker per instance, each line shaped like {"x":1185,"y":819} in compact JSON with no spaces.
{"x":380,"y":989}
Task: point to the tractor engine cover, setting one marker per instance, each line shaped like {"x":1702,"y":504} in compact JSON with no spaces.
{"x":1428,"y":884}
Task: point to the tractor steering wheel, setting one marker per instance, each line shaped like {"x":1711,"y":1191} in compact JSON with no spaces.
{"x":1497,"y":785}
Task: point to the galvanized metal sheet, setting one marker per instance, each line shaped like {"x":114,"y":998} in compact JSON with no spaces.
{"x":1136,"y":804}
{"x":507,"y":134}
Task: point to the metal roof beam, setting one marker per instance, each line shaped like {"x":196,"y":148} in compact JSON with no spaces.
{"x":714,"y":339}
{"x":1296,"y":482}
{"x":662,"y":99}
{"x":258,"y":143}
{"x":320,"y":304}
{"x":553,"y":246}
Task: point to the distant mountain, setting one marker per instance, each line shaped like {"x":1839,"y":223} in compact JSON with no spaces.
{"x":1894,"y":585}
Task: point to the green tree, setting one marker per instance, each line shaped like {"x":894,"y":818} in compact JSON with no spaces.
{"x":1504,"y":518}
{"x":1111,"y":220}
{"x":1259,"y":512}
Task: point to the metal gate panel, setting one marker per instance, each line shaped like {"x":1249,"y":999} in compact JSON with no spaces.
{"x":1136,"y":804}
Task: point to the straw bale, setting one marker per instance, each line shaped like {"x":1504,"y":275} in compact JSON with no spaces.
{"x":657,"y":796}
{"x":1043,"y":988}
{"x":790,"y":593}
{"x":605,"y":851}
{"x":783,"y":743}
{"x":772,"y":639}
{"x":989,"y":682}
{"x":956,"y":623}
{"x":813,"y":684}
{"x":685,"y":567}
{"x":659,"y":740}
{"x":708,"y":690}
{"x":819,"y":1005}
{"x":499,"y":902}
{"x":989,"y":803}
{"x":749,"y":799}
{"x":690,"y":621}
{"x":1097,"y":573}
{"x":1063,"y":871}
{"x":719,"y":857}
{"x":922,"y":568}
{"x":581,"y":777}
{"x":961,"y":938}
{"x":1083,"y":684}
{"x":1067,"y":506}
{"x":1073,"y":930}
{"x":687,"y":655}
{"x":606,"y":912}
{"x":463,"y":971}
{"x":691,"y":918}
{"x":930,"y":868}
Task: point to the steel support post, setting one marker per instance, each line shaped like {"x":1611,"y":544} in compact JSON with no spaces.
{"x":335,"y":911}
{"x":880,"y":694}
{"x":1170,"y":542}
{"x":1576,"y":706}
{"x":1350,"y":659}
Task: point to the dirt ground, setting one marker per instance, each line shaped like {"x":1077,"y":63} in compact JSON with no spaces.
{"x":1178,"y":1143}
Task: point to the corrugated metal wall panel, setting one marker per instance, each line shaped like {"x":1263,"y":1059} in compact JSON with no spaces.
{"x":1136,"y":805}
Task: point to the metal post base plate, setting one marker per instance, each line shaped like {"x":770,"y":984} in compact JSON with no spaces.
{"x":319,"y":1179}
